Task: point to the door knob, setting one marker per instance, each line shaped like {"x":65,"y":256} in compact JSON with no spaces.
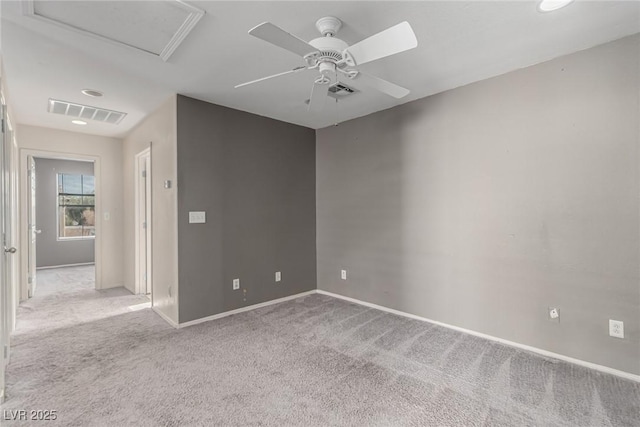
{"x":37,"y":231}
{"x":10,"y":250}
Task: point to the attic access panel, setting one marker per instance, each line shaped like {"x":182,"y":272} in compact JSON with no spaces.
{"x":156,"y":27}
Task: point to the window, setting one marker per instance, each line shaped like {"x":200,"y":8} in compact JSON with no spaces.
{"x":76,"y":206}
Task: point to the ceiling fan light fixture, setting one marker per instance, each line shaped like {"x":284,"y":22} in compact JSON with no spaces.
{"x":551,"y":5}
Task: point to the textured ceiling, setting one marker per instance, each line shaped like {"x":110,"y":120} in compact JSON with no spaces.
{"x":459,"y":43}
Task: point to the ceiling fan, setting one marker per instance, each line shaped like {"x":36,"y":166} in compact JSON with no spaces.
{"x":330,"y":56}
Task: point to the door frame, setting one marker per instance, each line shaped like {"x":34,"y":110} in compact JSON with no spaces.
{"x":24,"y":226}
{"x":31,"y":224}
{"x":138,"y":262}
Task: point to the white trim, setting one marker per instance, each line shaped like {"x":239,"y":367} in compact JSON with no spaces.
{"x":73,"y":238}
{"x":590,"y":365}
{"x":165,"y":317}
{"x":56,"y":208}
{"x":194,"y":15}
{"x":192,"y":19}
{"x":24,"y":153}
{"x":137,"y":221}
{"x":50,"y":267}
{"x":542,"y":352}
{"x":243,"y":309}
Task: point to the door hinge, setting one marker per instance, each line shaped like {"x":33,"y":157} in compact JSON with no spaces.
{"x":30,"y":280}
{"x":2,"y":125}
{"x":144,"y":225}
{"x":6,"y":352}
{"x":144,"y":174}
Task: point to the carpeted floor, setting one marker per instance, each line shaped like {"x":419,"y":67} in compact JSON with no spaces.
{"x":313,"y":361}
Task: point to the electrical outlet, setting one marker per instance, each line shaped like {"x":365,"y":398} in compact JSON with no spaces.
{"x":554,"y":314}
{"x":616,"y":328}
{"x":278,"y":276}
{"x":236,"y":284}
{"x":343,"y":274}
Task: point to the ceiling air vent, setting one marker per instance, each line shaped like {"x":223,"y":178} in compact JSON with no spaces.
{"x":85,"y":112}
{"x":340,"y":90}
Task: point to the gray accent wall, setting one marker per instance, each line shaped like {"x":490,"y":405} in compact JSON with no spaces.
{"x":483,"y":206}
{"x":255,"y":179}
{"x":50,"y":251}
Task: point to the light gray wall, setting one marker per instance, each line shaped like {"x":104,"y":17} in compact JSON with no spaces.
{"x":483,"y":206}
{"x":49,"y":250}
{"x":157,"y":131}
{"x":255,"y":178}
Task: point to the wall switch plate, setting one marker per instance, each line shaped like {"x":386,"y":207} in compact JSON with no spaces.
{"x":554,"y":314}
{"x":197,"y":217}
{"x":278,"y":276}
{"x":236,"y":284}
{"x":616,"y":328}
{"x":343,"y":274}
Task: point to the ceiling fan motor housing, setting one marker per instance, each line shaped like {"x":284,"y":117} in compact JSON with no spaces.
{"x":329,"y":49}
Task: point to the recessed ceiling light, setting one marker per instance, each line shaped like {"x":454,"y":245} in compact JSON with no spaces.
{"x":92,"y":93}
{"x":79,"y":122}
{"x":551,"y":5}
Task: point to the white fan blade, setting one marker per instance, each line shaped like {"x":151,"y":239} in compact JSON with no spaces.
{"x":388,"y":42}
{"x":279,"y":37}
{"x":318,"y":97}
{"x":381,"y":85}
{"x":295,"y":70}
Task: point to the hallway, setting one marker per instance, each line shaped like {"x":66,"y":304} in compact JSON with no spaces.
{"x":69,"y":335}
{"x":66,"y":297}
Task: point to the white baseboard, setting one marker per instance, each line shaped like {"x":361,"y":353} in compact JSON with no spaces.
{"x":49,"y":267}
{"x":243,"y":309}
{"x":112,"y":286}
{"x":540,"y":351}
{"x":165,"y":318}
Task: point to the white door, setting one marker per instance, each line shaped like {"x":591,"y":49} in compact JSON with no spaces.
{"x":4,"y":263}
{"x":147,"y":221}
{"x":33,"y":230}
{"x":143,"y":222}
{"x":6,"y":260}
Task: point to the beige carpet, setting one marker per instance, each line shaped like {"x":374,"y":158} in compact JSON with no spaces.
{"x":314,"y":361}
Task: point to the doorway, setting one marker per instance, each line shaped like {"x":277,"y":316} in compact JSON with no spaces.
{"x":143,"y":223}
{"x":61,"y":225}
{"x":61,"y":215}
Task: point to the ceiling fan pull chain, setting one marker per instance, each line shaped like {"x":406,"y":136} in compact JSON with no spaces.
{"x":337,"y":112}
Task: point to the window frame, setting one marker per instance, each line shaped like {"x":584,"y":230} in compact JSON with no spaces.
{"x":57,"y":201}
